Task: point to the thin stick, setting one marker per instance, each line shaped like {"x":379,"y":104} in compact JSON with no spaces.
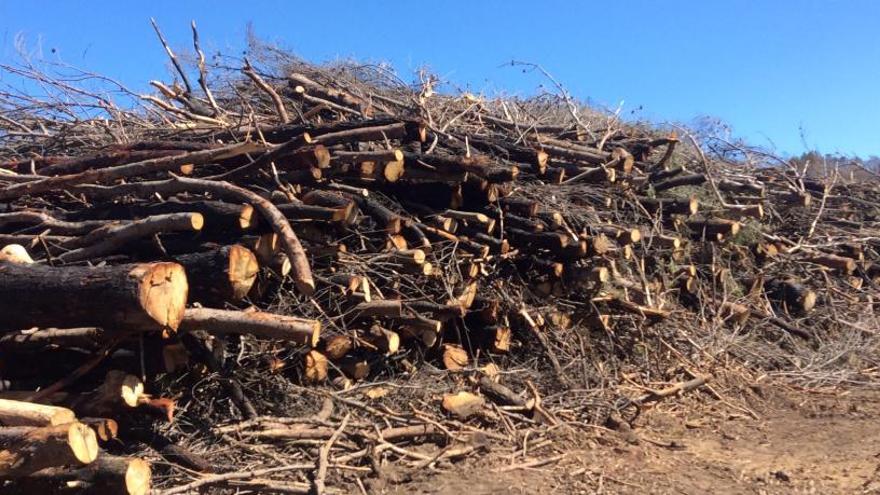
{"x":324,"y":456}
{"x":203,"y":72}
{"x":260,"y":83}
{"x":172,"y":57}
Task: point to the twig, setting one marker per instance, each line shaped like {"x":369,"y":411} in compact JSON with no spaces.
{"x":172,"y":57}
{"x":324,"y":455}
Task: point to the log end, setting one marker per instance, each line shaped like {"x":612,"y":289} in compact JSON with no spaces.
{"x":247,"y":218}
{"x":197,"y":221}
{"x":130,"y":390}
{"x":315,"y":365}
{"x":808,"y":301}
{"x":322,"y":156}
{"x":454,"y":357}
{"x":15,"y":253}
{"x":163,"y":292}
{"x":693,"y":205}
{"x":138,"y":477}
{"x":83,"y":442}
{"x":394,"y":170}
{"x":635,"y":236}
{"x":734,"y":228}
{"x":305,"y":286}
{"x":242,"y":270}
{"x":337,"y":346}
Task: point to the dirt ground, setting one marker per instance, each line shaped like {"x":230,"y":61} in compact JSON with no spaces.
{"x":823,"y":443}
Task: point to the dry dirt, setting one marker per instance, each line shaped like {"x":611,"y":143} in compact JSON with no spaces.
{"x":823,"y":443}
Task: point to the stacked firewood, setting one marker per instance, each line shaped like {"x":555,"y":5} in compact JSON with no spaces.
{"x":353,"y":228}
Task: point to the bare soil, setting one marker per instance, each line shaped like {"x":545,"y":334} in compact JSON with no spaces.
{"x":823,"y":443}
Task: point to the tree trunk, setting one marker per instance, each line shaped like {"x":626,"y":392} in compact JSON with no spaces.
{"x":136,"y":297}
{"x":222,"y":275}
{"x":109,"y":474}
{"x":263,"y":325}
{"x":24,"y":450}
{"x":18,"y":413}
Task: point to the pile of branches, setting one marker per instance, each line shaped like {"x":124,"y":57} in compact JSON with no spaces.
{"x":292,"y":274}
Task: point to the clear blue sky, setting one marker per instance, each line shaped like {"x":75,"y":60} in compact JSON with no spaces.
{"x":768,"y":68}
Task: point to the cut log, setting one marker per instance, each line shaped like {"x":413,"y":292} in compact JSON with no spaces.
{"x":520,"y":206}
{"x":463,"y":404}
{"x":322,"y":91}
{"x":681,"y":180}
{"x":15,"y":253}
{"x":840,"y":263}
{"x":714,"y":227}
{"x":139,"y":297}
{"x":442,"y":312}
{"x":380,"y":156}
{"x":389,"y":308}
{"x":119,"y":393}
{"x":498,"y":338}
{"x":220,"y":217}
{"x":315,"y":367}
{"x":529,"y":241}
{"x":109,"y":474}
{"x":384,"y":218}
{"x":25,"y":450}
{"x":270,"y":253}
{"x":396,"y":130}
{"x":295,"y":211}
{"x":354,"y":367}
{"x":17,"y":413}
{"x":280,"y":225}
{"x":795,"y":296}
{"x":499,"y":393}
{"x":307,"y":157}
{"x":735,"y":313}
{"x":688,"y":206}
{"x":337,"y":346}
{"x":382,"y":339}
{"x":418,"y":327}
{"x":258,"y":324}
{"x":289,"y":241}
{"x":43,"y":185}
{"x":112,"y":237}
{"x":221,"y":275}
{"x":106,"y":429}
{"x":454,"y":357}
{"x":622,"y":235}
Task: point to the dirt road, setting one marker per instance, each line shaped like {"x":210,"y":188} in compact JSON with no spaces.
{"x":802,"y":443}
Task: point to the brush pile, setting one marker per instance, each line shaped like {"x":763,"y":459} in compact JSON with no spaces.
{"x":295,"y":276}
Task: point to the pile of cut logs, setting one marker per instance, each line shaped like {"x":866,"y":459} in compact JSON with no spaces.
{"x":354,"y":228}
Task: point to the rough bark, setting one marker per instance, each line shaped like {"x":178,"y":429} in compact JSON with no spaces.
{"x":137,"y":297}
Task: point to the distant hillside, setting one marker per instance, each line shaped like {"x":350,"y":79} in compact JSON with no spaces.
{"x":850,"y":168}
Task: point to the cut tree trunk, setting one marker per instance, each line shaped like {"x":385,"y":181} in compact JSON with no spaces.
{"x":795,"y":296}
{"x":24,"y":450}
{"x":119,"y":393}
{"x":220,"y":218}
{"x":17,"y":413}
{"x":222,"y":275}
{"x":114,"y":236}
{"x":136,"y":297}
{"x":258,"y":324}
{"x":109,"y":474}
